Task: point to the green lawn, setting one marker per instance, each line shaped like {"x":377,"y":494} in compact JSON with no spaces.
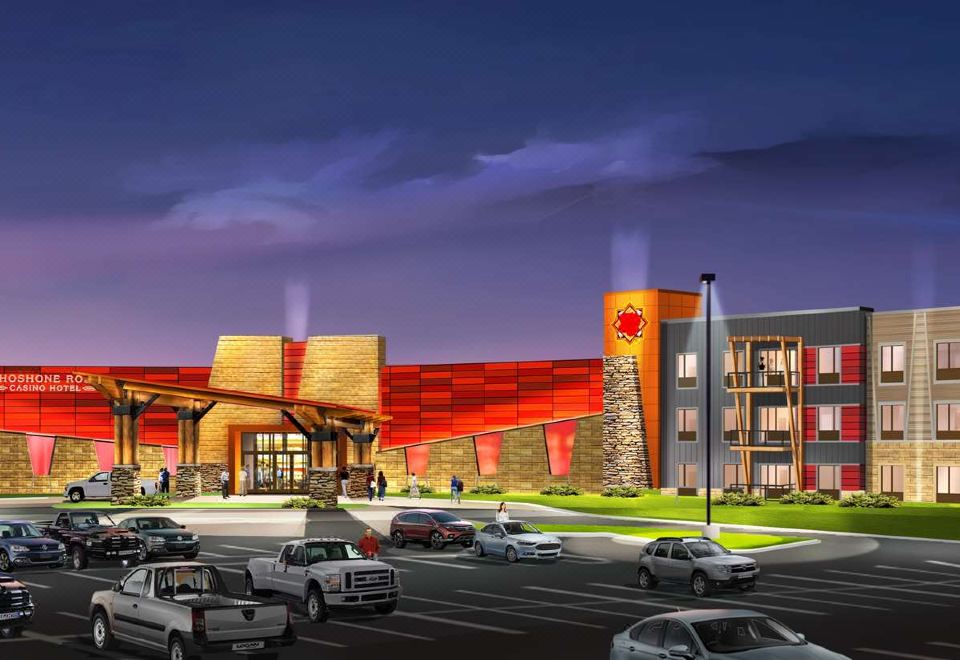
{"x":938,"y":521}
{"x":730,"y":540}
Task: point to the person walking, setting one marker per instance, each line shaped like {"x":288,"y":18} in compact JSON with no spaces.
{"x":502,"y":515}
{"x":371,"y":485}
{"x":369,"y":545}
{"x":244,"y":477}
{"x":453,"y":489}
{"x":344,"y":480}
{"x":415,"y":487}
{"x":225,"y":484}
{"x":165,"y":480}
{"x":381,"y":486}
{"x":459,"y":489}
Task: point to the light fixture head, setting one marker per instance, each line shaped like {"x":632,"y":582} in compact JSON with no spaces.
{"x":706,"y":278}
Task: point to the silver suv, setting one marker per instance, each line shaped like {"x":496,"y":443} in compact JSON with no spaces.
{"x":703,"y":564}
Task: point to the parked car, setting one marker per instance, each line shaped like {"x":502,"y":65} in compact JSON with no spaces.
{"x":699,"y":562}
{"x":185,"y":609}
{"x":16,"y":606}
{"x":162,"y":537}
{"x":325,"y":574}
{"x":715,"y":634}
{"x":97,"y":487}
{"x":22,"y":544}
{"x":93,"y":535}
{"x":433,"y":528}
{"x":516,"y":540}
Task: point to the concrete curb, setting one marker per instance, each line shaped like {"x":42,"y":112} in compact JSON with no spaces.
{"x":643,"y":540}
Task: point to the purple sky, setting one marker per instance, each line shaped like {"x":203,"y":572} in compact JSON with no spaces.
{"x":466,"y":182}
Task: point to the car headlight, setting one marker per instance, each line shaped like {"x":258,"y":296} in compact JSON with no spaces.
{"x":89,"y":542}
{"x":61,"y":547}
{"x":19,"y":548}
{"x":155,"y":540}
{"x":195,"y":537}
{"x":331,"y":583}
{"x":724,"y":568}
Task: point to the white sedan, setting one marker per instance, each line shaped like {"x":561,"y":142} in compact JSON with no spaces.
{"x":516,"y":540}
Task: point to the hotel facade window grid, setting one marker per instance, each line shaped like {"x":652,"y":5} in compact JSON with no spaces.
{"x":948,"y":360}
{"x":730,"y":425}
{"x":891,"y":480}
{"x":774,"y":424}
{"x":828,"y":365}
{"x":892,"y":417}
{"x":775,"y":474}
{"x":948,"y":483}
{"x":729,"y":373}
{"x":733,"y":475}
{"x":772,"y":374}
{"x":828,"y":478}
{"x":892,"y":363}
{"x":687,"y":424}
{"x":686,"y":370}
{"x":828,"y":423}
{"x":948,"y":421}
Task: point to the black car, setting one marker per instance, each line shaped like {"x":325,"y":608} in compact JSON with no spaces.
{"x":162,"y":537}
{"x":93,"y":535}
{"x":23,"y":545}
{"x":16,"y":606}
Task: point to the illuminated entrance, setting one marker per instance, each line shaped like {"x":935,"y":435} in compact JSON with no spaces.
{"x":275,"y":462}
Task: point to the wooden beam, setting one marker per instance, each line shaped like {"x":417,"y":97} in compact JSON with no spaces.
{"x":791,"y":420}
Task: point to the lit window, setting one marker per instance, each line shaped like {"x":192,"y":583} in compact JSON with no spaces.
{"x":734,"y":476}
{"x":948,"y":360}
{"x":948,"y":483}
{"x":687,"y":370}
{"x":948,"y":421}
{"x":828,"y":365}
{"x":891,"y":421}
{"x":891,"y":363}
{"x":734,"y":374}
{"x":687,"y":424}
{"x":770,"y":367}
{"x":828,"y":477}
{"x":687,"y":476}
{"x":891,"y":480}
{"x":828,"y":423}
{"x":730,"y":425}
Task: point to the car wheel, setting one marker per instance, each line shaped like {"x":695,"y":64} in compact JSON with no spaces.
{"x":700,"y":585}
{"x":76,"y":495}
{"x":398,"y":540}
{"x":386,"y":608}
{"x":11,"y":632}
{"x":317,"y":610}
{"x":645,"y":579}
{"x":249,"y":589}
{"x":511,"y":554}
{"x":478,"y":549}
{"x":143,"y":554}
{"x":101,"y":633}
{"x":178,"y":650}
{"x":78,"y":557}
{"x":5,"y":564}
{"x":436,"y":541}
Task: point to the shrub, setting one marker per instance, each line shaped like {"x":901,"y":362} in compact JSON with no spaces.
{"x":561,"y":489}
{"x":303,"y":503}
{"x":870,"y":501}
{"x":622,"y":491}
{"x":147,"y":501}
{"x":739,"y":499}
{"x":488,"y":489}
{"x":423,"y":490}
{"x":806,"y":497}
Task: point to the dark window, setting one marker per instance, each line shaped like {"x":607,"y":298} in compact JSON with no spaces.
{"x":662,"y":550}
{"x":422,"y":519}
{"x":679,"y":552}
{"x":299,"y":556}
{"x":63,"y":520}
{"x":651,"y":633}
{"x":491,"y":529}
{"x":677,"y":635}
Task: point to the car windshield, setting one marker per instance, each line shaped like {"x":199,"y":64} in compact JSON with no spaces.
{"x":187,"y":580}
{"x":332,"y":551}
{"x":157,"y":523}
{"x":706,"y":549}
{"x":19,"y":531}
{"x":91,"y":519}
{"x":744,"y":634}
{"x":520,"y":528}
{"x":444,"y":517}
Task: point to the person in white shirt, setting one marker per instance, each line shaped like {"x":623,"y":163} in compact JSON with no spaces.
{"x":414,"y":487}
{"x":244,"y":477}
{"x":225,"y":484}
{"x":502,"y":515}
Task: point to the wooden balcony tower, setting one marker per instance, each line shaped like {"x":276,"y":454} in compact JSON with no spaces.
{"x":782,"y":377}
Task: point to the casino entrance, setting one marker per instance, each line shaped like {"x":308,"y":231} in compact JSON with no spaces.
{"x":276,"y":462}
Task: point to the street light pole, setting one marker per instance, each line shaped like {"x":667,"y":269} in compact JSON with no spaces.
{"x":708,"y":279}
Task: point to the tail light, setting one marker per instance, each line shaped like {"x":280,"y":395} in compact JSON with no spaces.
{"x":199,"y":620}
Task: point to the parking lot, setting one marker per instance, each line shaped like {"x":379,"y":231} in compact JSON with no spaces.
{"x":863,"y":597}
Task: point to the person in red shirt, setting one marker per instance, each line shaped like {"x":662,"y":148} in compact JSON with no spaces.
{"x":369,"y":545}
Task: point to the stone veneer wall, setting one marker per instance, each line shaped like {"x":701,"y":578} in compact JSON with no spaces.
{"x":210,"y":477}
{"x":125,"y":482}
{"x":344,"y":370}
{"x":359,"y":478}
{"x":625,"y":454}
{"x":188,"y":481}
{"x":324,"y":486}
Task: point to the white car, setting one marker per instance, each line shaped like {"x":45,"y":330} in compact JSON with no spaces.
{"x":97,"y":487}
{"x":516,"y":540}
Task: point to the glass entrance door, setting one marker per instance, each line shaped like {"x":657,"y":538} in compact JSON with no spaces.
{"x":276,"y":462}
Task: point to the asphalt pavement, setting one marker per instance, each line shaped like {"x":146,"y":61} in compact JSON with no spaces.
{"x":864,"y":597}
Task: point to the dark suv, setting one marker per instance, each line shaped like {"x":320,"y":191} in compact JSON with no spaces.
{"x":432,"y":527}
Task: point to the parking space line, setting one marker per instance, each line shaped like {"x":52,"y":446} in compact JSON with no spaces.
{"x":322,"y":642}
{"x":943,"y":563}
{"x":88,"y":577}
{"x":915,"y":570}
{"x":712,"y":600}
{"x":261,"y":551}
{"x":767,"y":594}
{"x":430,"y":563}
{"x":465,"y":624}
{"x":58,"y":640}
{"x":898,"y":579}
{"x":542,"y":603}
{"x":858,"y":587}
{"x":384,"y":631}
{"x":848,"y":592}
{"x":946,"y":645}
{"x":211,"y":554}
{"x":897,"y":654}
{"x":73,"y":615}
{"x":510,"y":613}
{"x":641,"y":602}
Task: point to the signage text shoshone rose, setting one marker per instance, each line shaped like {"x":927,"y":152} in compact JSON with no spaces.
{"x":27,"y":382}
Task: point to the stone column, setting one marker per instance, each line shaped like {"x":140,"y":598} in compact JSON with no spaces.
{"x":323,"y":485}
{"x":124,"y":483}
{"x":210,"y":477}
{"x":626,"y":460}
{"x":188,"y":480}
{"x":360,"y":475}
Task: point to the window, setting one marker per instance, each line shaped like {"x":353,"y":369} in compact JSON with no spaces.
{"x":891,"y":363}
{"x":687,"y":475}
{"x":771,"y":368}
{"x":948,"y":360}
{"x":891,"y":480}
{"x":828,"y":423}
{"x":734,"y":475}
{"x":948,"y":421}
{"x":775,"y":424}
{"x":775,"y":474}
{"x":891,"y":421}
{"x":687,"y":424}
{"x":133,"y":585}
{"x":687,"y":370}
{"x":948,"y":480}
{"x":299,"y":556}
{"x":733,"y":373}
{"x":828,"y":477}
{"x":828,"y":365}
{"x":662,"y":550}
{"x":650,"y":634}
{"x":286,"y":554}
{"x":677,"y":635}
{"x":730,"y":425}
{"x":679,"y":552}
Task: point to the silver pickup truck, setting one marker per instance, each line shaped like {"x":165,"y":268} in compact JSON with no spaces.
{"x":325,"y":574}
{"x":185,"y":610}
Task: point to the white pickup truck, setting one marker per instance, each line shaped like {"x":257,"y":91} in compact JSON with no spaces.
{"x":325,"y":574}
{"x":97,"y":487}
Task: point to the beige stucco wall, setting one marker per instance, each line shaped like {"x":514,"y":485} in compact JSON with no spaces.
{"x":344,"y":370}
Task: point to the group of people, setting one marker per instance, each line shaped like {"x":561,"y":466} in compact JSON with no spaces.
{"x":456,"y":489}
{"x":380,"y":484}
{"x":163,"y":480}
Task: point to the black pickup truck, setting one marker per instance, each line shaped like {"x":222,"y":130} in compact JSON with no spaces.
{"x":93,"y":535}
{"x":16,"y":606}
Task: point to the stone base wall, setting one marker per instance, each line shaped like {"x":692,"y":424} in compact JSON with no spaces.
{"x":124,"y":482}
{"x":210,"y":477}
{"x":188,"y":481}
{"x":323,"y":486}
{"x":919,"y":460}
{"x":360,"y":476}
{"x":626,"y":460}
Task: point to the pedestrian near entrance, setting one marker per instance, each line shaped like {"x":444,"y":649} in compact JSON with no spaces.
{"x":344,"y":480}
{"x":225,"y":484}
{"x":454,"y":494}
{"x":371,"y":486}
{"x":369,"y":545}
{"x":244,"y":477}
{"x":165,"y":480}
{"x":381,"y":486}
{"x":502,"y":515}
{"x":459,"y":489}
{"x":414,"y":487}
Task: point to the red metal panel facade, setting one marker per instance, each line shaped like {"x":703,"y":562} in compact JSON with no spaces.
{"x":293,"y":354}
{"x":809,"y":423}
{"x":853,"y":364}
{"x":851,"y":477}
{"x":853,"y":423}
{"x":809,"y":366}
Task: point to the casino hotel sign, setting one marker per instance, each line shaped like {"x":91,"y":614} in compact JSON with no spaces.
{"x":629,"y":323}
{"x":42,"y":383}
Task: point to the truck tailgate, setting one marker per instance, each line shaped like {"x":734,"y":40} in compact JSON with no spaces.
{"x":245,"y":620}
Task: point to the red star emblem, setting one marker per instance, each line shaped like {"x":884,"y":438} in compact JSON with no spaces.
{"x":629,"y":323}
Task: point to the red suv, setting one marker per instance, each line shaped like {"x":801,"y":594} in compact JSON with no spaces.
{"x":432,"y":527}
